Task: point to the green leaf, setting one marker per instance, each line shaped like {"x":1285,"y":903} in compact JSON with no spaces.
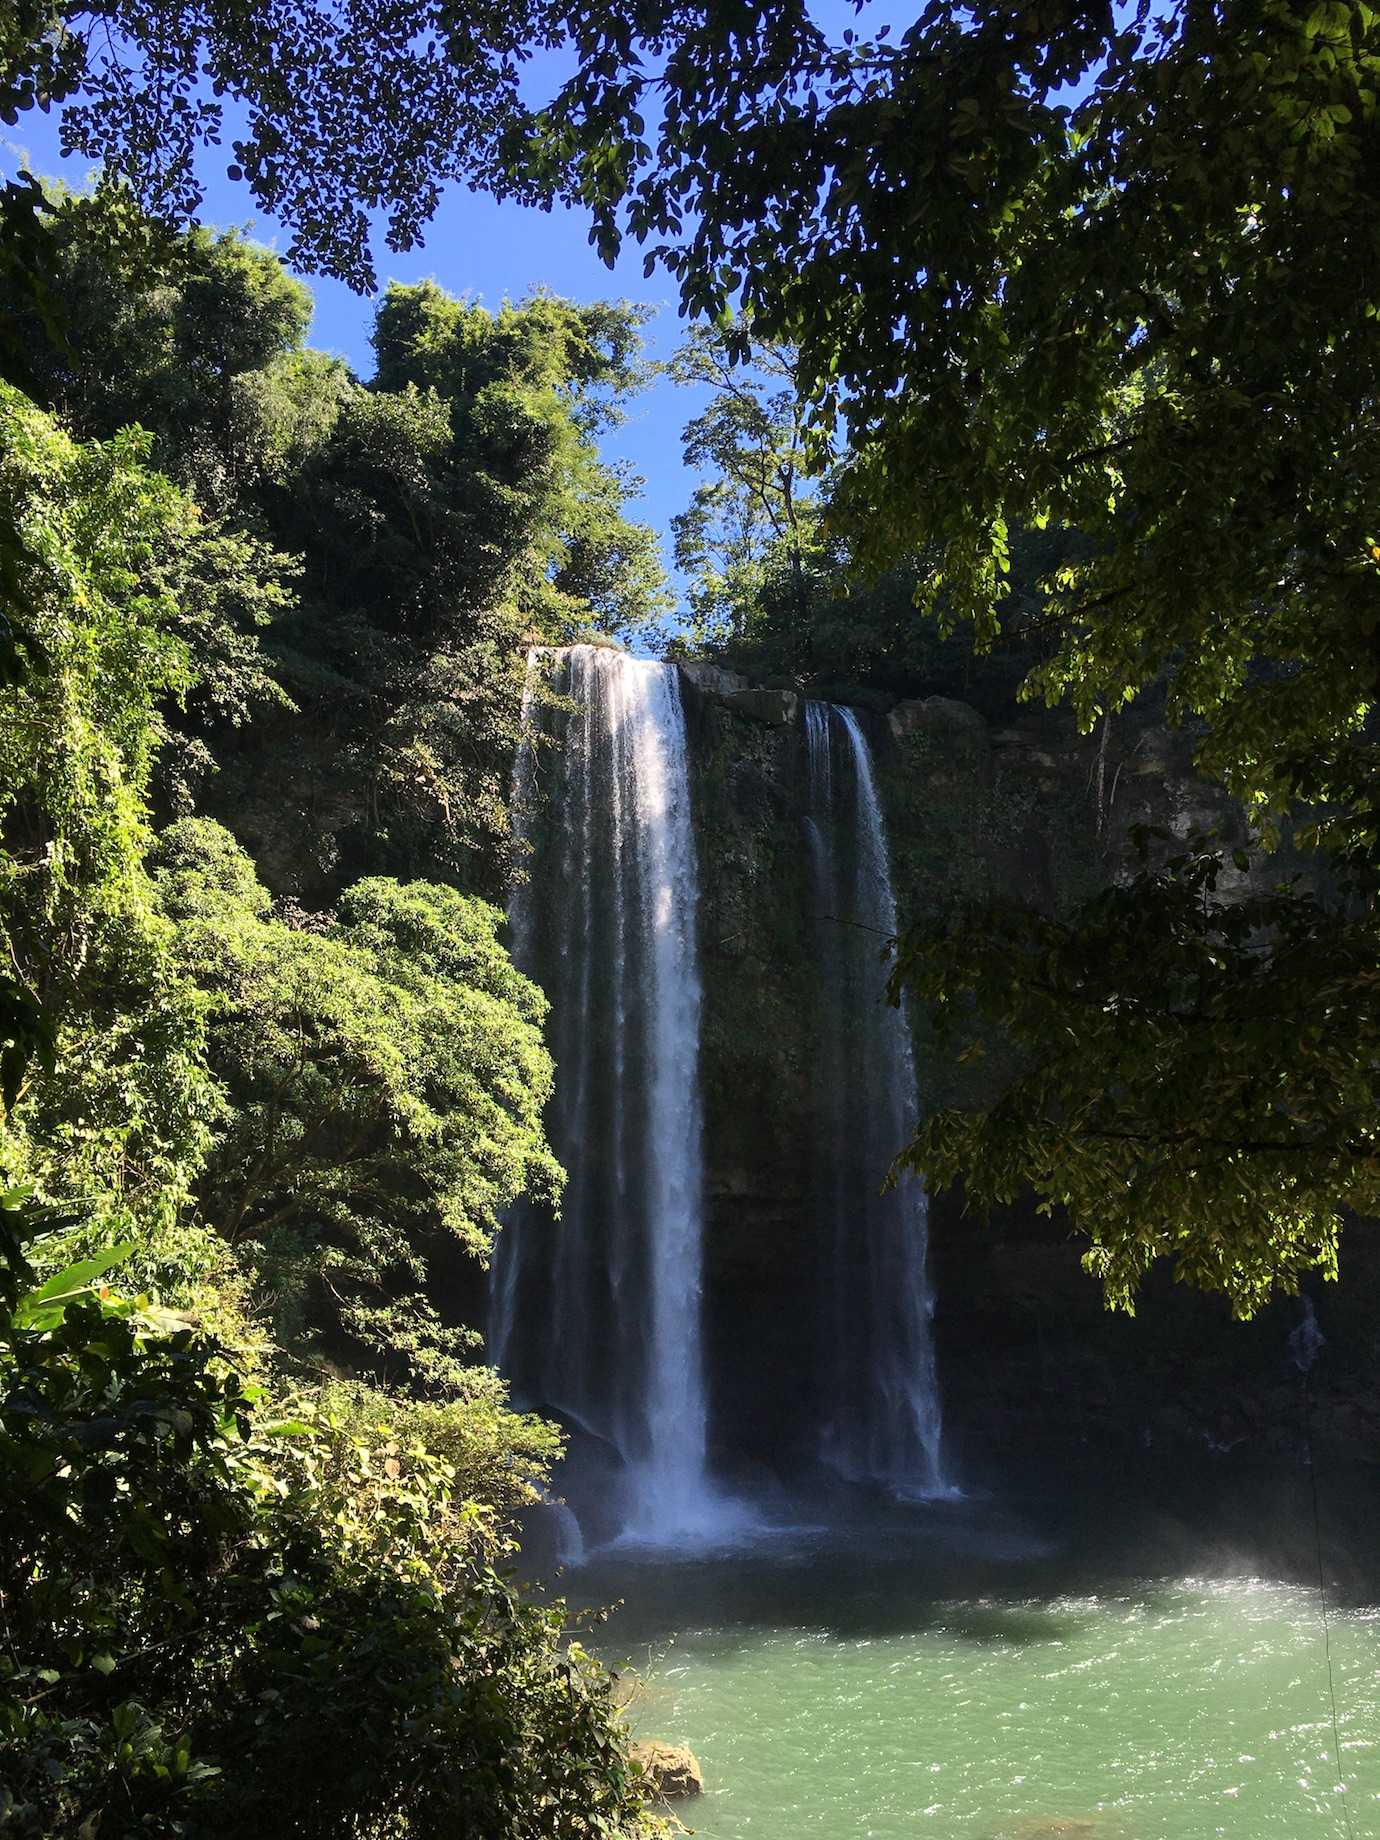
{"x":77,"y":1278}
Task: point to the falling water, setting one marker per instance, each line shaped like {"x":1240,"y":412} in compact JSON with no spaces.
{"x":882,"y":1421}
{"x":598,"y":1317}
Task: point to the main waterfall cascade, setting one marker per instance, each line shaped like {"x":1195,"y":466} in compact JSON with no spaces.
{"x":883,"y":1415}
{"x":598,"y":1317}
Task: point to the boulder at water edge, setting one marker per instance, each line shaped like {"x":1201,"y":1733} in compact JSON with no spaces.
{"x":671,"y":1768}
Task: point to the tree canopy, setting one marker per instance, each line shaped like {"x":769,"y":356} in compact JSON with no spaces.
{"x":420,"y":527}
{"x":290,"y":87}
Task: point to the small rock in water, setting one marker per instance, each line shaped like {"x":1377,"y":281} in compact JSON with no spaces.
{"x":672,"y":1768}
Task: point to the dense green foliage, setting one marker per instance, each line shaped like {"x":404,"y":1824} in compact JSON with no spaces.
{"x":106,"y":550}
{"x":221,"y":1622}
{"x":776,"y":591}
{"x":1126,"y":1075}
{"x":385,"y":1077}
{"x":436,"y":519}
{"x":239,"y":1607}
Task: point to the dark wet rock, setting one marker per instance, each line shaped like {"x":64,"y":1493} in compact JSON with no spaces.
{"x":780,"y":708}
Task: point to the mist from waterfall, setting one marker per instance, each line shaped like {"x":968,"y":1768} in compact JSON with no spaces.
{"x":882,"y":1414}
{"x":597,"y":1316}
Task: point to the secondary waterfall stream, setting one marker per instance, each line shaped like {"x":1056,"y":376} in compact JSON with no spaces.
{"x":883,"y":1422}
{"x":599,"y":1316}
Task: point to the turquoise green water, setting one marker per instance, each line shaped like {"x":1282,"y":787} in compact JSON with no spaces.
{"x":843,"y":1690}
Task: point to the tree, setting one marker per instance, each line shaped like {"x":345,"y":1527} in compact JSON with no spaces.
{"x":384,"y":1075}
{"x":756,"y":515}
{"x":524,"y":392}
{"x":170,"y":345}
{"x":119,"y":592}
{"x":777,"y":591}
{"x":452,"y":512}
{"x":1195,"y":1076}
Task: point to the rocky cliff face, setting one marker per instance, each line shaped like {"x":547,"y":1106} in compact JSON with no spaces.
{"x":1030,"y":1362}
{"x":757,"y":1048}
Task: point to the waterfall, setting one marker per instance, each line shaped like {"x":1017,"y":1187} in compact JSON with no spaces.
{"x":882,"y":1413}
{"x":598,"y":1316}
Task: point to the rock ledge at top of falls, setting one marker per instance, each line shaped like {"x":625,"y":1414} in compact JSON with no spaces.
{"x":777,"y":708}
{"x":937,"y":715}
{"x":672,"y":1769}
{"x":712,"y":679}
